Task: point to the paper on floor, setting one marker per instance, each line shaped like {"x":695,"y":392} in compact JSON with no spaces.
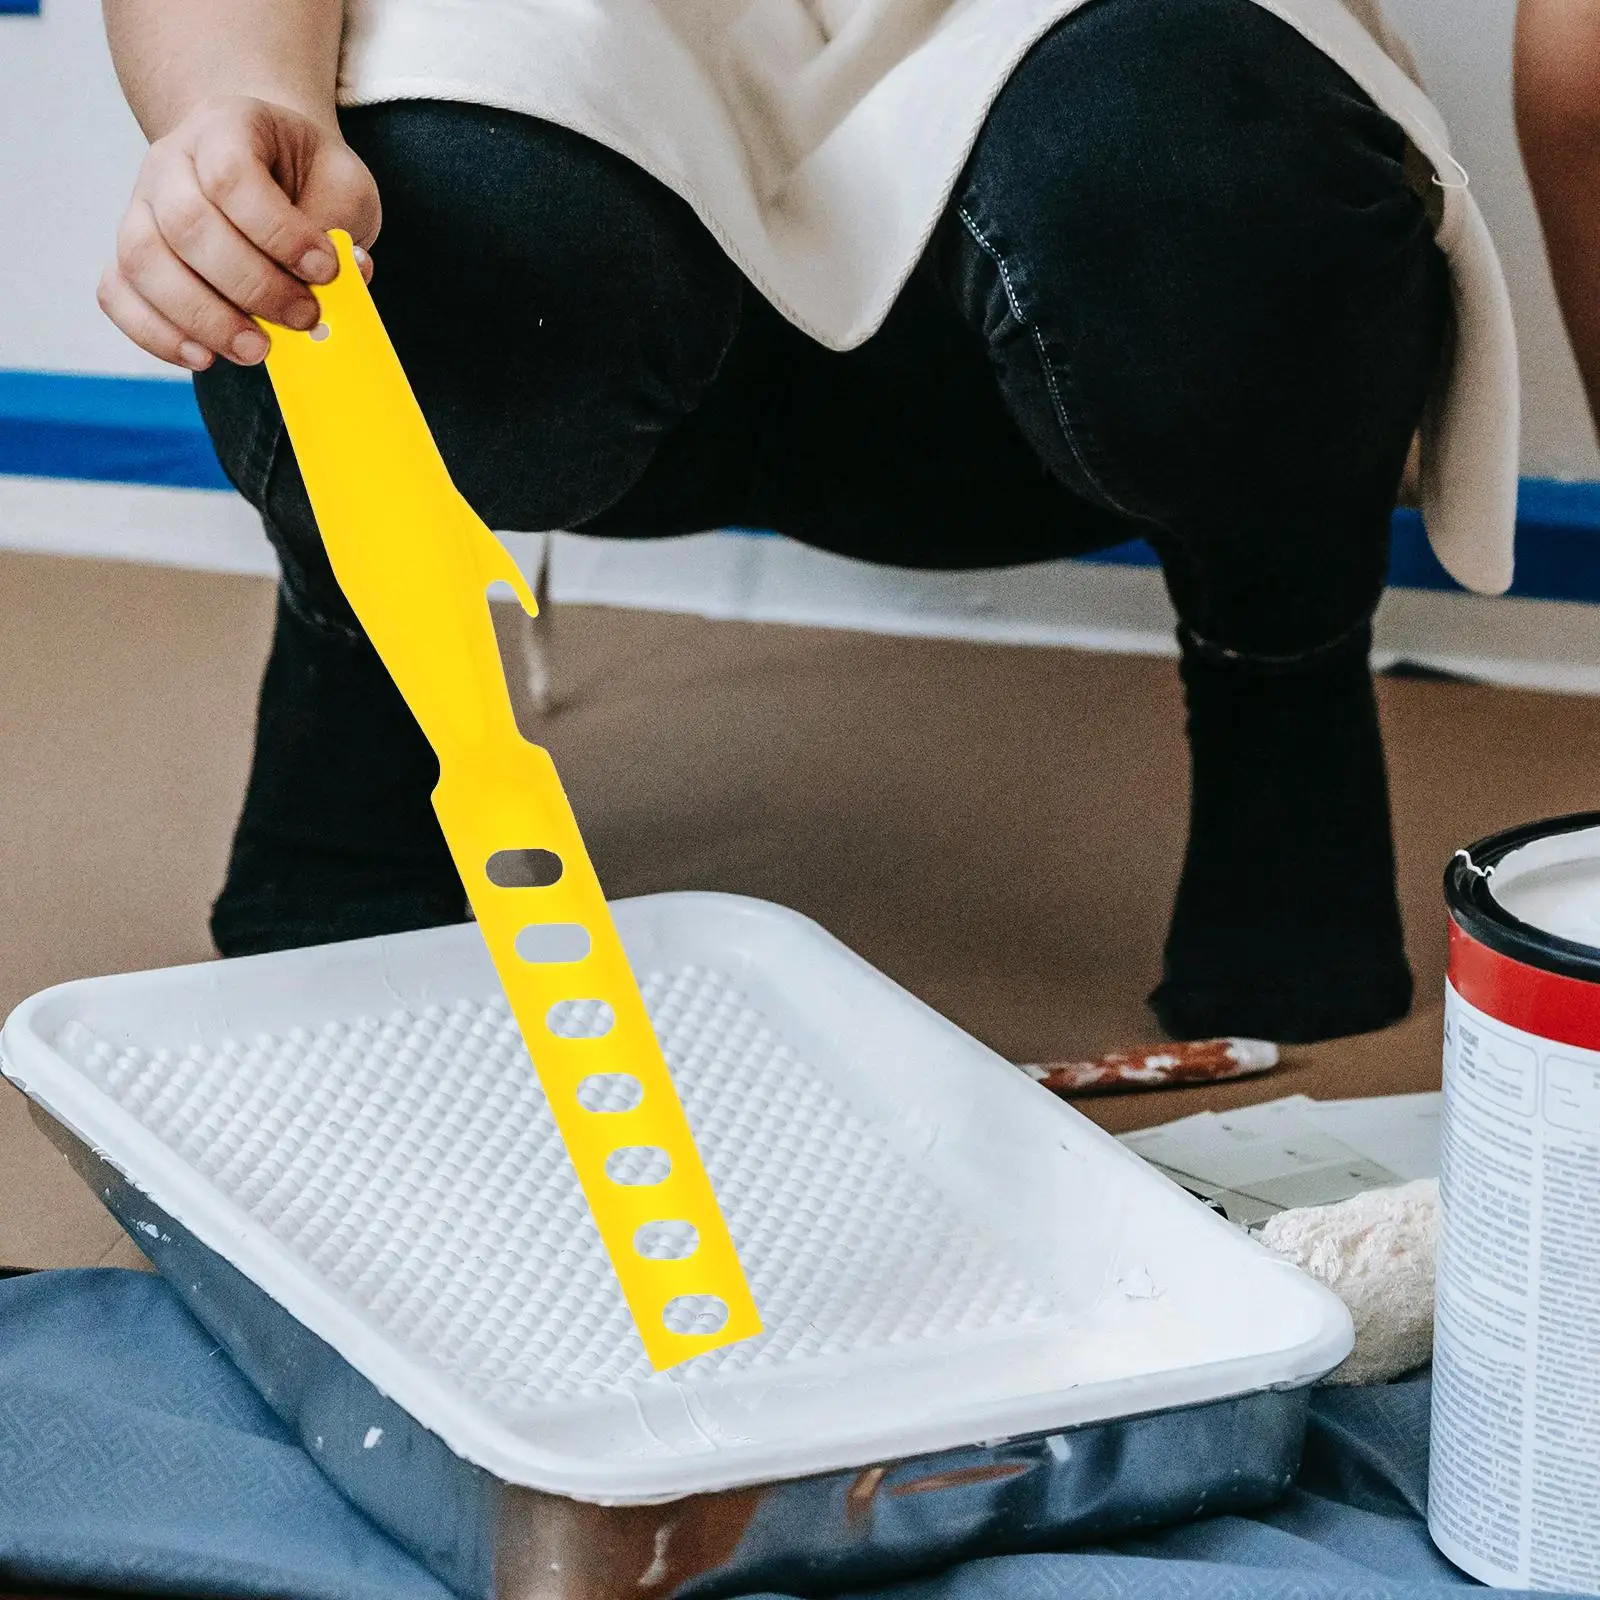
{"x":1292,"y":1152}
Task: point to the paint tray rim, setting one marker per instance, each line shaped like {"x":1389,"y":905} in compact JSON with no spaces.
{"x":912,"y":1084}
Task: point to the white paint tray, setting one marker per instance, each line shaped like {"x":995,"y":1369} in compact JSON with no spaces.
{"x":943,"y":1253}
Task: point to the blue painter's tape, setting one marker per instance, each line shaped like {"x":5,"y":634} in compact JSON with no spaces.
{"x":19,"y":8}
{"x":1558,"y":546}
{"x":105,"y":430}
{"x":148,"y":430}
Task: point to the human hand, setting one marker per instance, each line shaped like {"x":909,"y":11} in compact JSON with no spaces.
{"x":228,"y":222}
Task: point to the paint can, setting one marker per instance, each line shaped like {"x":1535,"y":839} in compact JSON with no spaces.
{"x":1514,"y":1490}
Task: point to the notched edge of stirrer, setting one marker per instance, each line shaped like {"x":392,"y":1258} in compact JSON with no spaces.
{"x":348,"y":291}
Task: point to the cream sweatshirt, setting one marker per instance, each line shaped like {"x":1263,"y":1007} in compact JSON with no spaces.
{"x":819,"y":141}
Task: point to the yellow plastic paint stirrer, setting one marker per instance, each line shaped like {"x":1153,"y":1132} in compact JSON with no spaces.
{"x":416,"y":565}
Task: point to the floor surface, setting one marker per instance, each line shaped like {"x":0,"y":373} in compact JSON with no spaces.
{"x":998,"y":828}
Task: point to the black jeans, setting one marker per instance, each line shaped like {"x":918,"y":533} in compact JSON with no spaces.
{"x":1184,"y":289}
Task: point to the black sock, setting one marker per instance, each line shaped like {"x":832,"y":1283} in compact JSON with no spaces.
{"x":1286,"y":924}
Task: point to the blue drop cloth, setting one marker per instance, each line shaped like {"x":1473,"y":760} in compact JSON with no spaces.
{"x":134,"y":1456}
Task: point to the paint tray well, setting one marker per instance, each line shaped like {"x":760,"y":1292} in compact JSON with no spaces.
{"x":941,"y":1251}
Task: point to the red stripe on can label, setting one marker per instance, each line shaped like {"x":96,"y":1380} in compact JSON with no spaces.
{"x":1565,"y":1010}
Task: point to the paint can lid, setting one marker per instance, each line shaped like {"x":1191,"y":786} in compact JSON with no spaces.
{"x":1533,"y":893}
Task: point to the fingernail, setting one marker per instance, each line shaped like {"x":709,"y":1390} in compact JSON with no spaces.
{"x":363,"y":260}
{"x":194,"y":355}
{"x":304,"y":314}
{"x":250,"y":346}
{"x":318,"y":265}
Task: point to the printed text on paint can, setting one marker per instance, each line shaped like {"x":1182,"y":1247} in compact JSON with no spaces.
{"x":1515,"y":1484}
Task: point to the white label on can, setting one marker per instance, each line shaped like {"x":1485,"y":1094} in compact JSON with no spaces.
{"x":1514,"y":1488}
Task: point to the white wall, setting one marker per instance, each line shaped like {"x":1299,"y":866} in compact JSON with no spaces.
{"x":1463,"y":48}
{"x":69,"y":149}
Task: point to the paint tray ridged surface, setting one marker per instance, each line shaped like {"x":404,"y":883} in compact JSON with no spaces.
{"x":944,"y":1254}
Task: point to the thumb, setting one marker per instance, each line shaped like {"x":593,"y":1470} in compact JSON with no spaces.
{"x":339,"y":192}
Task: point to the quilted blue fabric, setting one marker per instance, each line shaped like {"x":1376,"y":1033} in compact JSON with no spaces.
{"x":134,"y":1456}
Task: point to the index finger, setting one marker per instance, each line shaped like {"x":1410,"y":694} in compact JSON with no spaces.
{"x":241,"y":186}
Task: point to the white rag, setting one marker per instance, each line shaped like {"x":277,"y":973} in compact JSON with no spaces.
{"x":1376,"y":1252}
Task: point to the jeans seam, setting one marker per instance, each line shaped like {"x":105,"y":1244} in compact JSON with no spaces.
{"x":313,"y":618}
{"x":1358,"y":632}
{"x":261,"y":452}
{"x":291,"y":578}
{"x":1036,"y":337}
